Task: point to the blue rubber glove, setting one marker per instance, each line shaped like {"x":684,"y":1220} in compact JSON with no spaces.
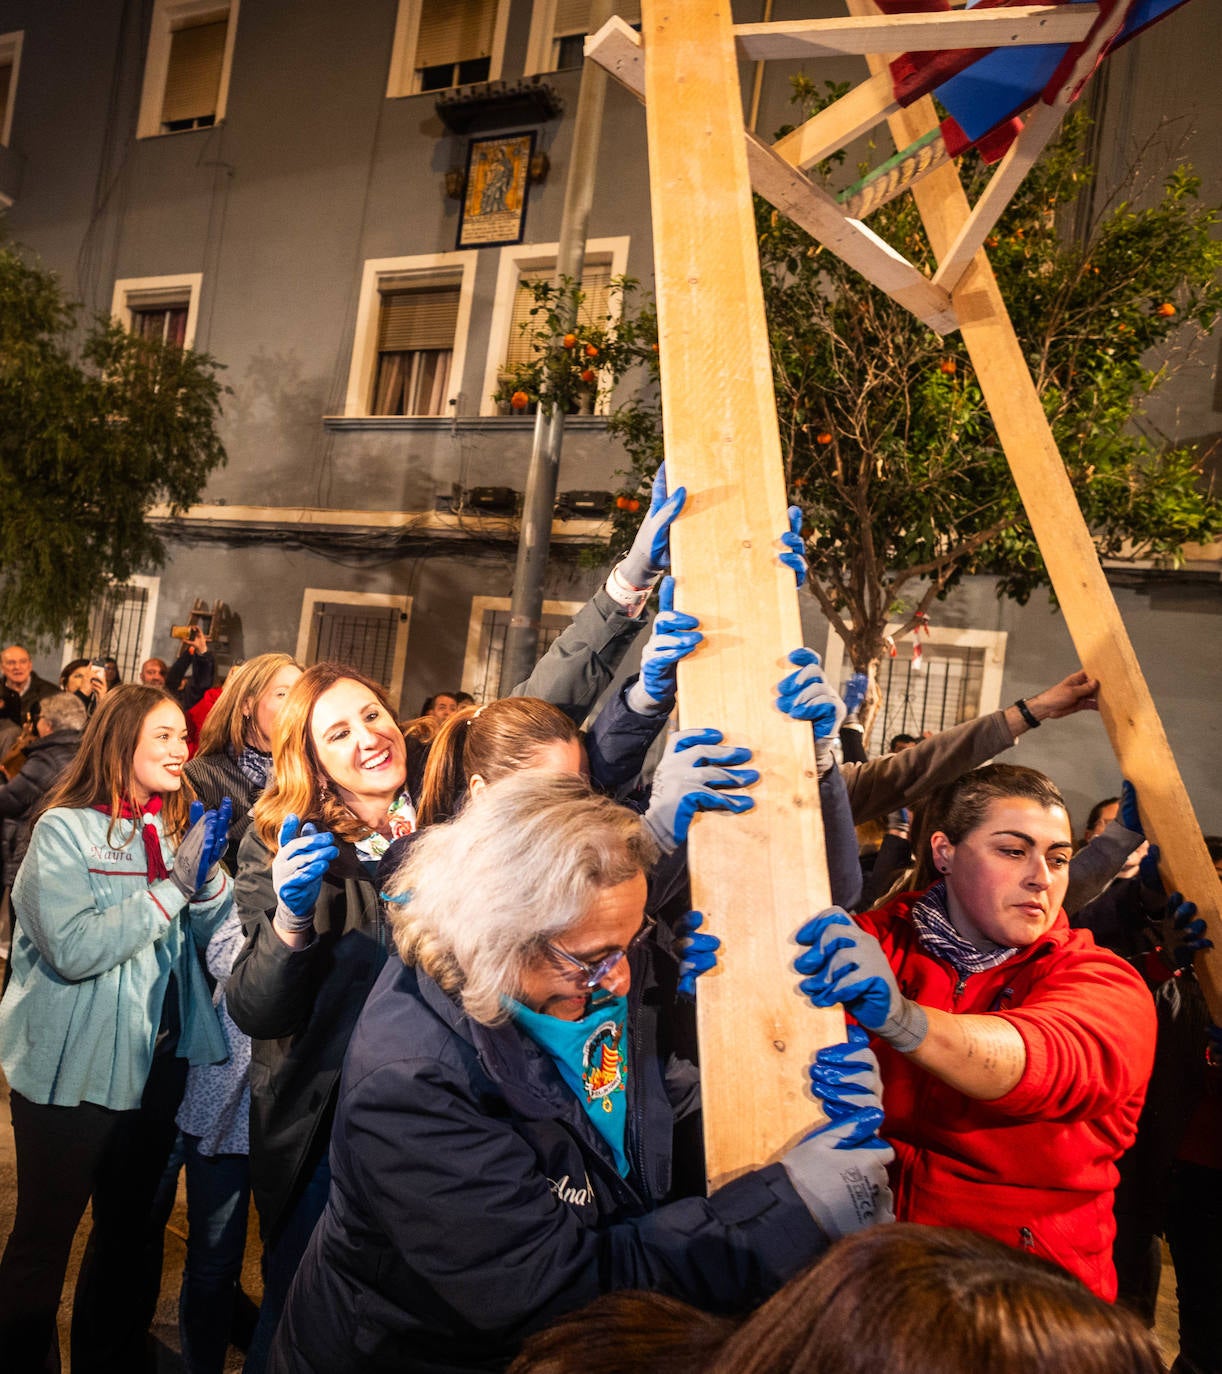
{"x":697,"y":952}
{"x":649,"y":556}
{"x":198,"y":853}
{"x":855,"y":691}
{"x":1127,"y":814}
{"x":1147,"y":871}
{"x":1185,"y":932}
{"x":846,"y":965}
{"x":687,"y":780}
{"x":846,"y":1080}
{"x":674,"y":636}
{"x":298,"y":869}
{"x":840,"y":1170}
{"x":807,"y":695}
{"x":795,"y":555}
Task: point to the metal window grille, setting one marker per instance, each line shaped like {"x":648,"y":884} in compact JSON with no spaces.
{"x":492,"y":648}
{"x":116,"y":628}
{"x":942,"y":692}
{"x":361,"y":636}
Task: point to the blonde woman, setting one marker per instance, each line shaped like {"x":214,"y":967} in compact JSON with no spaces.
{"x":234,"y":757}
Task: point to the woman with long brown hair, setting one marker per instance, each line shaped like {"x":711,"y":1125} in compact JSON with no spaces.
{"x":120,"y":888}
{"x":315,"y":942}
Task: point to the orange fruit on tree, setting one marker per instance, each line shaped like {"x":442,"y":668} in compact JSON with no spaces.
{"x":949,"y":366}
{"x":591,"y":351}
{"x":519,"y":400}
{"x":1166,"y":310}
{"x":587,"y":375}
{"x":570,"y":341}
{"x":824,"y":438}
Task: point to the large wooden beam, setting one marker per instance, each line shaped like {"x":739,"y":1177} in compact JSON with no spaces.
{"x":756,"y":876}
{"x":617,"y":48}
{"x":1091,"y":614}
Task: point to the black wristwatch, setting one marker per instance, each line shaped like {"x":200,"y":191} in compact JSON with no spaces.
{"x":1025,"y":711}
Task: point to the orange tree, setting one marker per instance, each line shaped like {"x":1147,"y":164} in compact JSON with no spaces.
{"x":888,"y":445}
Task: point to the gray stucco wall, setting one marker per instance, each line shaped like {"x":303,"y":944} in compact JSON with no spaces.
{"x":314,"y":171}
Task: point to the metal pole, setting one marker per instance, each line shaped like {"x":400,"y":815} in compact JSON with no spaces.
{"x":539,"y":499}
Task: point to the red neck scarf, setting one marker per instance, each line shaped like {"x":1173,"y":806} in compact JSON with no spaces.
{"x":154,"y":864}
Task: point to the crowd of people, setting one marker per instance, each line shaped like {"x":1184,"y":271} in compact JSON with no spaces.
{"x":425,"y":990}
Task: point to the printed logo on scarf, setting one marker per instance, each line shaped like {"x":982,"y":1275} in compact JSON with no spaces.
{"x":603,"y":1067}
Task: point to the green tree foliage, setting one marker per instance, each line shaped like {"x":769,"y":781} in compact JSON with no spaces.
{"x":888,"y":445}
{"x":94,"y":430}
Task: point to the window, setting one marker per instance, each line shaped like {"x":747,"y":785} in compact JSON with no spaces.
{"x":367,"y":630}
{"x":162,"y":308}
{"x":411,"y":334}
{"x":10,"y":61}
{"x":520,"y":264}
{"x":558,"y":32}
{"x":444,"y":43}
{"x":186,"y":72}
{"x":958,"y":678}
{"x":481,"y":674}
{"x":416,"y":325}
{"x":121,"y":626}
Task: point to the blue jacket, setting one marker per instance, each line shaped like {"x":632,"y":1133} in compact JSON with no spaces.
{"x":94,"y":946}
{"x":473,"y":1201}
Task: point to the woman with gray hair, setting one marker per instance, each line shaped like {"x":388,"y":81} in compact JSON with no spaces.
{"x":502,"y":1143}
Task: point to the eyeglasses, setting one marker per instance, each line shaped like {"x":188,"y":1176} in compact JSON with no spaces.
{"x":593,"y":974}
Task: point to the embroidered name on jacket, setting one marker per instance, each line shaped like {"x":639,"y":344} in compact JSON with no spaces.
{"x":101,"y":855}
{"x":566,"y":1192}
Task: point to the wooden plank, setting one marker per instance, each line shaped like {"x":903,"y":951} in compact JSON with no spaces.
{"x":838,"y":124}
{"x":617,"y":48}
{"x":758,"y":875}
{"x":1042,"y":123}
{"x":1091,"y":614}
{"x":796,"y":196}
{"x":1019,"y":26}
{"x":1021,"y":156}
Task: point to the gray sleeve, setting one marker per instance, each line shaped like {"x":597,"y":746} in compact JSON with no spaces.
{"x":1097,"y":863}
{"x":896,"y":780}
{"x":581,"y":662}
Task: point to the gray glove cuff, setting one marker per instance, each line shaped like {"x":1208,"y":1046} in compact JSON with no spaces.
{"x":906,"y":1028}
{"x":843,"y":1190}
{"x":639,"y":701}
{"x":661,"y":833}
{"x":825,"y":757}
{"x":290,"y":921}
{"x":180,"y":883}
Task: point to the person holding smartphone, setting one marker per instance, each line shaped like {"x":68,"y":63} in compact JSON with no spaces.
{"x":192,"y":672}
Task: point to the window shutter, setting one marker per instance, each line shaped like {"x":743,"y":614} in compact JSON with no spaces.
{"x":194,"y":74}
{"x":595,"y":282}
{"x":454,"y":31}
{"x":423,"y":316}
{"x":573,"y":16}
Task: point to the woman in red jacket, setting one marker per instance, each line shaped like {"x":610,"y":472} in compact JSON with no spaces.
{"x":1014,"y":1051}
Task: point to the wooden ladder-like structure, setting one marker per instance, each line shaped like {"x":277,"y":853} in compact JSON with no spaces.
{"x":759,"y":876}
